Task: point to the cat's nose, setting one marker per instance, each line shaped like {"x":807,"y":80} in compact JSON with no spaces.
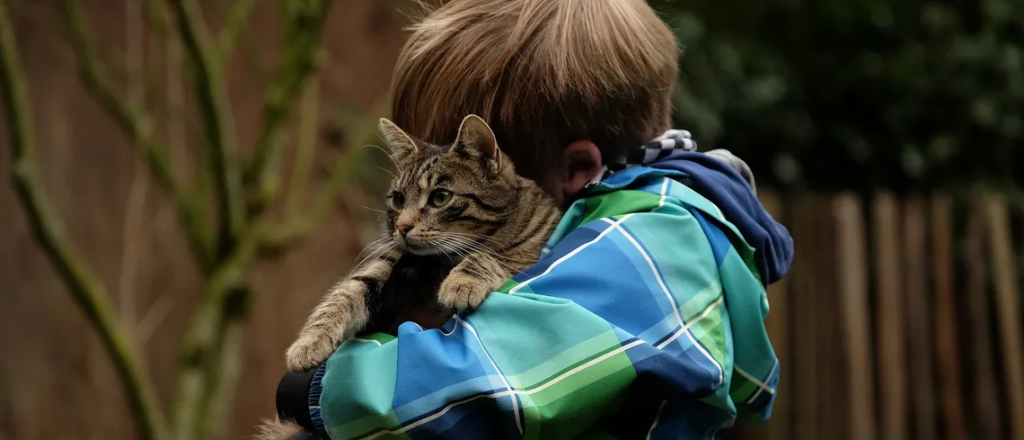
{"x":403,"y":229}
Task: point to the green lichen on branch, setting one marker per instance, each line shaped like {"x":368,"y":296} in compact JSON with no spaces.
{"x":218,"y":122}
{"x":138,"y":125}
{"x":237,"y":23}
{"x":86,"y":288}
{"x":210,"y":353}
{"x":303,"y":22}
{"x":301,"y":225}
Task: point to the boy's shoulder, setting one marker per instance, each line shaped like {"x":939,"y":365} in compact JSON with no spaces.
{"x":640,"y":190}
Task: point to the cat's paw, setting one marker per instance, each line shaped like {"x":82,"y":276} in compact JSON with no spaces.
{"x":309,"y":351}
{"x":461,"y":292}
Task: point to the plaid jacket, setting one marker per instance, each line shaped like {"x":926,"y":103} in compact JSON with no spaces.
{"x":643,"y":318}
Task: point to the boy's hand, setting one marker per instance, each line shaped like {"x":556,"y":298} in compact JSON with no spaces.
{"x":737,"y":163}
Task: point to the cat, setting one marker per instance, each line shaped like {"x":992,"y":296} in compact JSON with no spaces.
{"x":459,"y":223}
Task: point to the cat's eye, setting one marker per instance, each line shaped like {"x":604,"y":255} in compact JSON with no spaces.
{"x":398,"y":199}
{"x":440,"y":197}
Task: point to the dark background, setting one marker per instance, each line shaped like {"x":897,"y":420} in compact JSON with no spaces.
{"x":886,"y":134}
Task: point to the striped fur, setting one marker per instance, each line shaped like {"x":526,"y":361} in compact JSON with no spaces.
{"x":462,"y":205}
{"x":277,"y":429}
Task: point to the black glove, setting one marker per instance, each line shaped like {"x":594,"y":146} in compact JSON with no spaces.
{"x":293,"y":400}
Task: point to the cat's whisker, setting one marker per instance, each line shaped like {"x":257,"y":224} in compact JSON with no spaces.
{"x":390,"y":156}
{"x":377,"y":250}
{"x":385,"y":141}
{"x":479,"y":262}
{"x":372,"y":246}
{"x":516,"y":210}
{"x":370,"y":257}
{"x":446,"y":248}
{"x":470,"y":240}
{"x":470,"y":246}
{"x":393,"y":176}
{"x":486,"y":238}
{"x":452,"y":246}
{"x":481,"y":248}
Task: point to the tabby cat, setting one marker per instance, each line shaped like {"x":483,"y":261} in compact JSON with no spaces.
{"x":459,"y":222}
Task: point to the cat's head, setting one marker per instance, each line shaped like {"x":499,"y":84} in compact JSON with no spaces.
{"x":448,"y":199}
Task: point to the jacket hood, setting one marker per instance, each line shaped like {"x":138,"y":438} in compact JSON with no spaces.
{"x":721,"y":183}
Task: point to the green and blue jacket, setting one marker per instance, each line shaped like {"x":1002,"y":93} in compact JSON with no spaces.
{"x":644,"y":318}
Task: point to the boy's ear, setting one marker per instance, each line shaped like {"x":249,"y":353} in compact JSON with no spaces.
{"x":399,"y":141}
{"x":477,"y":139}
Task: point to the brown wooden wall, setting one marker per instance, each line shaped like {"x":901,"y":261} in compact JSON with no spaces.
{"x":901,"y":317}
{"x":55,"y":379}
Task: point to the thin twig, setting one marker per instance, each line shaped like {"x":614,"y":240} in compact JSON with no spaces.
{"x":237,"y":23}
{"x":134,"y":53}
{"x":87,"y":290}
{"x":299,"y":227}
{"x":225,"y":372}
{"x":302,"y":35}
{"x":309,"y":116}
{"x":134,"y":56}
{"x":154,"y":318}
{"x":132,"y":226}
{"x":202,"y":345}
{"x":139,"y":127}
{"x":215,"y":110}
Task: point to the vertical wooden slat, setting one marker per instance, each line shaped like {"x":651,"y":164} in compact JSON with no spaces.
{"x":892,"y":364}
{"x":853,"y":291}
{"x":778,"y":323}
{"x":1008,"y":308}
{"x":832,"y":368}
{"x":984,"y":394}
{"x":947,"y":352}
{"x":805,"y":282}
{"x":922,"y":386}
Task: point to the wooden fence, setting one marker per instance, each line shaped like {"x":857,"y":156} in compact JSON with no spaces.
{"x":901,"y":318}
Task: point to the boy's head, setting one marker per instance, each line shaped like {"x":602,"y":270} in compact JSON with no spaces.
{"x":565,"y":84}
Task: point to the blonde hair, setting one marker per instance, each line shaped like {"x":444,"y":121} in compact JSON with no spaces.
{"x":543,"y":73}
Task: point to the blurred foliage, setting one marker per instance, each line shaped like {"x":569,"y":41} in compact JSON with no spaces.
{"x":905,"y":94}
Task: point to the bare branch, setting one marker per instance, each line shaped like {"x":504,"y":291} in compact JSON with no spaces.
{"x":217,"y":119}
{"x":224,"y":375}
{"x":237,"y":23}
{"x":309,"y":116}
{"x":134,"y":62}
{"x":203,"y":346}
{"x":300,"y":227}
{"x":139,"y":127}
{"x":154,"y":318}
{"x":302,"y":42}
{"x":132,"y":225}
{"x":134,"y":56}
{"x":87,"y":290}
{"x":156,"y":17}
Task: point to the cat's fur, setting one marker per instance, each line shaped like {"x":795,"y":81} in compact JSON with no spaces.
{"x":493,"y":225}
{"x":490,"y":224}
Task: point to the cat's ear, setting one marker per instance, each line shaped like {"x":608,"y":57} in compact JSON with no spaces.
{"x":477,"y":139}
{"x":398,"y":140}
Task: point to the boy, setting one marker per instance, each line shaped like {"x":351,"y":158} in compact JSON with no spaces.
{"x":644,"y":318}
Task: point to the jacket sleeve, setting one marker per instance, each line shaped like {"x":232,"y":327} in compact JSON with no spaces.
{"x":624,"y":326}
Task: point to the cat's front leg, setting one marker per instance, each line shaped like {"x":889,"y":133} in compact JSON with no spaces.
{"x":469,"y":283}
{"x":341,"y":314}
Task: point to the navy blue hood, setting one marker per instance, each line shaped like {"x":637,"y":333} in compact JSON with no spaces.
{"x":726,"y":188}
